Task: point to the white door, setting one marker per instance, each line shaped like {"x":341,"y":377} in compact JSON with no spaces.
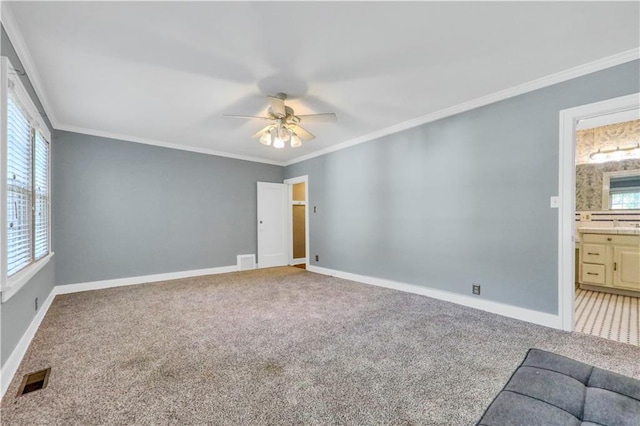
{"x":272,"y":224}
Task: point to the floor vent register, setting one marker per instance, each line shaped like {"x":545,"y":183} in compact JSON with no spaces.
{"x":34,"y":381}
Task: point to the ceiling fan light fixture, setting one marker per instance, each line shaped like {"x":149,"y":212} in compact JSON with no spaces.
{"x":284,"y":127}
{"x":284,"y":134}
{"x":265,"y":139}
{"x":295,"y":141}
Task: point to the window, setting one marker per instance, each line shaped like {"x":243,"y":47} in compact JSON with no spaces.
{"x":41,"y":196}
{"x":25,"y":190}
{"x":621,"y":190}
{"x":625,"y":192}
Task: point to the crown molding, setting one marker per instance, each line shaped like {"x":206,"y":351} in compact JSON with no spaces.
{"x":591,"y":67}
{"x":162,"y":144}
{"x":8,"y":21}
{"x":13,"y":31}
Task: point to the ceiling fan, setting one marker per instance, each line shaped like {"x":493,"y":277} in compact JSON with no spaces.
{"x":285,"y":124}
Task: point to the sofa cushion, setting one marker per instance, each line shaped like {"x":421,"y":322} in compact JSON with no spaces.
{"x":550,"y":361}
{"x":550,"y":389}
{"x":520,"y":410}
{"x":557,"y":389}
{"x":610,"y":408}
{"x":614,"y":382}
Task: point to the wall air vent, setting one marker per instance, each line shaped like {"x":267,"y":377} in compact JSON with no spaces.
{"x":246,"y":262}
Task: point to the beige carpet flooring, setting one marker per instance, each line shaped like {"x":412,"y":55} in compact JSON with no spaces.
{"x":608,"y":315}
{"x":278,"y":347}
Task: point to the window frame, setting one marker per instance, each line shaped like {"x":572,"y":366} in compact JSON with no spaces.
{"x":11,"y":285}
{"x":635,"y":191}
{"x":606,"y":187}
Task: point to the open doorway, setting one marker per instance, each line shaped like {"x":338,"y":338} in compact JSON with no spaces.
{"x":599,"y":269}
{"x":608,"y":226}
{"x":298,"y":234}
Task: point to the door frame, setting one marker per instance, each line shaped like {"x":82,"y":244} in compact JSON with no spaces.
{"x":567,"y":194}
{"x":290,"y":182}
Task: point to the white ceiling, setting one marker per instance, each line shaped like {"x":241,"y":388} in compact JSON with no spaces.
{"x":164,"y":72}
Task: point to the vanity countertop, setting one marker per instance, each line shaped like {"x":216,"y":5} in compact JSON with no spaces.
{"x":615,"y":231}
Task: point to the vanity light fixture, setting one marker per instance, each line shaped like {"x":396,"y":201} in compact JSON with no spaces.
{"x":600,"y":156}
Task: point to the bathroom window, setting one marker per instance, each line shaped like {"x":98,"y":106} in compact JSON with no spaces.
{"x":621,"y":190}
{"x":625,"y":192}
{"x":625,"y":200}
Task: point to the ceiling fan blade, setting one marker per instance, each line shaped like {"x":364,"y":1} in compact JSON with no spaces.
{"x":277,"y":106}
{"x":328,"y":117}
{"x":248,"y":117}
{"x":303,"y":133}
{"x":262,"y":131}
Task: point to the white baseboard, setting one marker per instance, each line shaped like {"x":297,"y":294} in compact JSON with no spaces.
{"x":298,"y":261}
{"x":13,"y":362}
{"x":119,"y":282}
{"x":536,"y":317}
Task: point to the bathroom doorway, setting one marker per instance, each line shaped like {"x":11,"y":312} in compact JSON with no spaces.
{"x":599,"y":273}
{"x":608,"y":227}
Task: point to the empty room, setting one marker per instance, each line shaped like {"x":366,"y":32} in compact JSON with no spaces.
{"x":323,"y":213}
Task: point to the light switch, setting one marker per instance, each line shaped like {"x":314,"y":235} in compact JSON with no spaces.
{"x":555,"y":202}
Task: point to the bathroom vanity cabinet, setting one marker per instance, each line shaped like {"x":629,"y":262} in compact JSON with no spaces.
{"x":610,"y":261}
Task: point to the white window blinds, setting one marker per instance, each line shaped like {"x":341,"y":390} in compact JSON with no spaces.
{"x":41,"y":195}
{"x":25,"y":189}
{"x":27,"y":177}
{"x":19,"y":187}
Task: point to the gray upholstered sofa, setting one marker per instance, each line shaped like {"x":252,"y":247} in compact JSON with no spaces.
{"x":549,"y":389}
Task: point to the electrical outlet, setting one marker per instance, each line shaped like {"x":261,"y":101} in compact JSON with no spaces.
{"x":585,"y":217}
{"x":476,"y":289}
{"x":315,"y":209}
{"x":36,"y":303}
{"x":317,"y":258}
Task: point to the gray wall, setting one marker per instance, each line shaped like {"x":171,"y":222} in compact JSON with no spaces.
{"x":125,"y":209}
{"x":18,"y":312}
{"x":458,"y":201}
